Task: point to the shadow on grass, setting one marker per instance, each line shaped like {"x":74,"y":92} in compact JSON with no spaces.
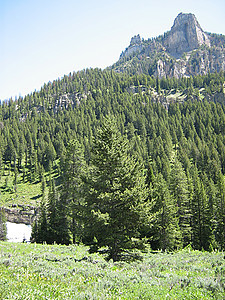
{"x":130,"y":256}
{"x":125,"y":256}
{"x":7,"y":189}
{"x":36,"y":197}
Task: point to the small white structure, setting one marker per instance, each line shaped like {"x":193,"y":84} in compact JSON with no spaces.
{"x":18,"y":232}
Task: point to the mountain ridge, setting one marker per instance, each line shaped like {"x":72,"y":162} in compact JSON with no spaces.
{"x":185,"y":50}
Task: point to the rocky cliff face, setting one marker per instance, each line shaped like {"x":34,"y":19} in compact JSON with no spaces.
{"x":20,"y":214}
{"x":135,"y":46}
{"x":183,"y":51}
{"x":185,"y":35}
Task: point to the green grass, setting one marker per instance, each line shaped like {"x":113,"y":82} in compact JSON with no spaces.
{"x":175,"y":96}
{"x":30,"y":271}
{"x":26,"y":193}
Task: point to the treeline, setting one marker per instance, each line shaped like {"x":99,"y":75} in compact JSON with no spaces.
{"x":181,"y":146}
{"x":37,"y":128}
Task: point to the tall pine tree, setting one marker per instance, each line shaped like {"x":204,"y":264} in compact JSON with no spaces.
{"x":116,"y":192}
{"x":166,"y":231}
{"x":73,"y":167}
{"x":179,"y":190}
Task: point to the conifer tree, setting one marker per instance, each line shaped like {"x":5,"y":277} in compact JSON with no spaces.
{"x":116,"y":192}
{"x":52,"y":213}
{"x":166,"y":231}
{"x":2,"y":226}
{"x":62,"y":223}
{"x":51,"y":225}
{"x":39,"y":232}
{"x":201,"y":223}
{"x":220,"y":212}
{"x":73,"y":168}
{"x":179,"y":190}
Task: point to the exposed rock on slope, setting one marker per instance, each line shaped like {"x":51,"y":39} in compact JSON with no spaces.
{"x":185,"y":35}
{"x":183,"y":51}
{"x":20,"y":214}
{"x":135,"y":45}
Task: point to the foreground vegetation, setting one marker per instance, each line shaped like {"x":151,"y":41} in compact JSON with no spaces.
{"x":31,"y":271}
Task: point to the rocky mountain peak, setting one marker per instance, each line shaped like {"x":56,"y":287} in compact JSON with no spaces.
{"x":135,"y":40}
{"x":185,"y":35}
{"x":163,"y":56}
{"x":135,"y":45}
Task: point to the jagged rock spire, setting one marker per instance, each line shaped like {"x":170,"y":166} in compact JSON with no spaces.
{"x":185,"y":35}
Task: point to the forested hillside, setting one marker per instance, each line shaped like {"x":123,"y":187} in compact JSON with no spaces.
{"x":167,"y":138}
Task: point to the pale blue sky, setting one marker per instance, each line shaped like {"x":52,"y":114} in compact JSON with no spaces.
{"x":45,"y":39}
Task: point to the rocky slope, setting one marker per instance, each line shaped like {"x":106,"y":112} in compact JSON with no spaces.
{"x":24,"y":214}
{"x":183,"y":51}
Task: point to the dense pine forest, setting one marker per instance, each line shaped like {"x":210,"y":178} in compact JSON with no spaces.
{"x":123,"y":161}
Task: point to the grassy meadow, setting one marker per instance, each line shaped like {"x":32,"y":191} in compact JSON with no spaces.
{"x":24,"y":192}
{"x":32,"y":271}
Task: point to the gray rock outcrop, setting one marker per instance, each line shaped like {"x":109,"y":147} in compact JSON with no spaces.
{"x":24,"y":214}
{"x":185,"y":35}
{"x":185,"y":50}
{"x":135,"y":45}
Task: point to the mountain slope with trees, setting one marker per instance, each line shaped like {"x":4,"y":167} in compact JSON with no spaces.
{"x":122,"y":159}
{"x":175,"y":131}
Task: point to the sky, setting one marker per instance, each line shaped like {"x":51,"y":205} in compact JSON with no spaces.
{"x":43,"y":40}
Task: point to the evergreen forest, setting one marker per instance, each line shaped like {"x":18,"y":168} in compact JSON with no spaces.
{"x":124,"y":161}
